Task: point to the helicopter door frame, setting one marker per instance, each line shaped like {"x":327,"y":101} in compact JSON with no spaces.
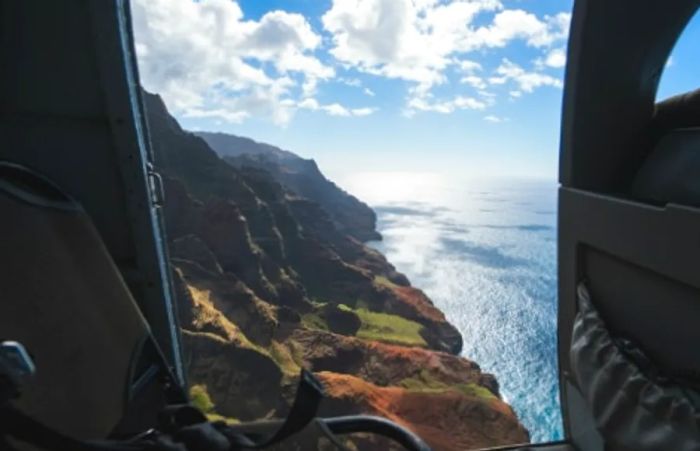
{"x":112,"y":29}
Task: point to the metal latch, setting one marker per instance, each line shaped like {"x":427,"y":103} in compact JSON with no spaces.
{"x":155,"y":185}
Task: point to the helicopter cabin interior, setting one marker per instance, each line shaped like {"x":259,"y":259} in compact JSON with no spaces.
{"x":629,"y":209}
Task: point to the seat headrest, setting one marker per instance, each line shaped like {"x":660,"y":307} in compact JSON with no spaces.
{"x":681,"y":111}
{"x":29,"y":186}
{"x":669,"y":174}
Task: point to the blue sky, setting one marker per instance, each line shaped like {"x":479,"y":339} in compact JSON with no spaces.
{"x":459,"y":87}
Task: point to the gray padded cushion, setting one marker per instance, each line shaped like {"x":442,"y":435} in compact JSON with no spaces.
{"x":681,"y":111}
{"x":631,"y":410}
{"x":671,"y":173}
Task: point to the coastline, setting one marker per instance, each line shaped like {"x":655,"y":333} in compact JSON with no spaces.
{"x":486,"y":255}
{"x":271,"y":276}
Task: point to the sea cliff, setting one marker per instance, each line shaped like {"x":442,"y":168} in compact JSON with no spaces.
{"x":272,"y":275}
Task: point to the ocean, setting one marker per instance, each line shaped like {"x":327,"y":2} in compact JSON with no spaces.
{"x":484,"y":250}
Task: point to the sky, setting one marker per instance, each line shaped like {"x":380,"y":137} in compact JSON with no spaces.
{"x":459,"y":87}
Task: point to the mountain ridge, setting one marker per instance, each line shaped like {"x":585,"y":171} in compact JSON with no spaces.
{"x":350,"y":215}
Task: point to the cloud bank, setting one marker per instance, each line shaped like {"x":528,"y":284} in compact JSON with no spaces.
{"x":208,"y":60}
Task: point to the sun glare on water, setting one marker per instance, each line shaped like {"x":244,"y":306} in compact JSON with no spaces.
{"x":484,"y":250}
{"x":385,"y":187}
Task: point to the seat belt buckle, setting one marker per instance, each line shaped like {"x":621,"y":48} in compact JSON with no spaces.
{"x":16,"y":366}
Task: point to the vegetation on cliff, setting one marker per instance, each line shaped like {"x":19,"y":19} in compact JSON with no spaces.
{"x":272,"y":275}
{"x":387,"y":328}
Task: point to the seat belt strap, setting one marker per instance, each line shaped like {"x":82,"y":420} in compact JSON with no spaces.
{"x":182,"y":428}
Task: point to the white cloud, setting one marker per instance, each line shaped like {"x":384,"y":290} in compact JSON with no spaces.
{"x":308,"y":88}
{"x":382,"y":37}
{"x":556,"y":58}
{"x":362,"y":111}
{"x":351,"y":82}
{"x":417,"y":40}
{"x":488,"y":96}
{"x":511,"y":24}
{"x":526,"y":81}
{"x":356,"y":83}
{"x":445,"y":107}
{"x":559,"y":25}
{"x":469,"y":67}
{"x":495,"y":119}
{"x":474,"y":81}
{"x":406,"y":39}
{"x":334,"y":109}
{"x":515,"y":94}
{"x":309,"y":104}
{"x":206,"y":60}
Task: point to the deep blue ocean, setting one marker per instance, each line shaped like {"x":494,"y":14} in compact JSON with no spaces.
{"x":485,"y":252}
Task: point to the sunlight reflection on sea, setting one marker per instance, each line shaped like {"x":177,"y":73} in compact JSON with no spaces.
{"x":485,"y":251}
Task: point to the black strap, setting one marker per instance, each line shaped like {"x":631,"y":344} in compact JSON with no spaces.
{"x":306,"y":402}
{"x":352,"y":424}
{"x":325,"y":430}
{"x":20,"y":426}
{"x":182,"y":428}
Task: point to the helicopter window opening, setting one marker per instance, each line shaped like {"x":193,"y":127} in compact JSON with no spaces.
{"x":681,"y":73}
{"x":373,"y":200}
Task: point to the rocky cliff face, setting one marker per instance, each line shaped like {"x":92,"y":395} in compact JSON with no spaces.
{"x":349,"y":215}
{"x":272,"y":275}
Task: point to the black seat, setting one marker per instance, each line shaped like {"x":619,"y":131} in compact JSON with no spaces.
{"x":64,"y":299}
{"x":670,"y":173}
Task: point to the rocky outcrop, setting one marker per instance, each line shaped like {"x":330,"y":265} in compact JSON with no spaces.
{"x":447,"y":419}
{"x":192,"y":248}
{"x":272,"y":275}
{"x":248,"y":389}
{"x":385,"y":364}
{"x":227,"y":295}
{"x":340,"y":321}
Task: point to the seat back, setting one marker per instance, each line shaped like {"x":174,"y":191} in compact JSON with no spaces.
{"x":63,"y":298}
